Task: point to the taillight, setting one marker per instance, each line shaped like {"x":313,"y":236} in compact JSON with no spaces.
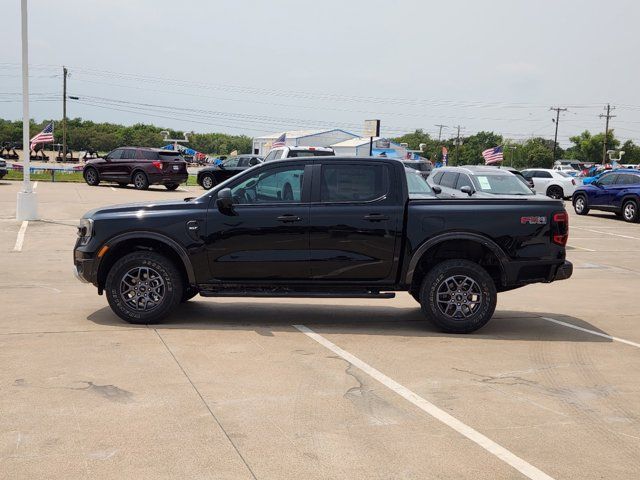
{"x":158,"y":165}
{"x":560,"y":228}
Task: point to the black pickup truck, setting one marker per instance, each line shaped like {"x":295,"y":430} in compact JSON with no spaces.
{"x":324,"y":227}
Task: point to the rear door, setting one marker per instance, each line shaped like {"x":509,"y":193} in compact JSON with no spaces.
{"x":356,"y":221}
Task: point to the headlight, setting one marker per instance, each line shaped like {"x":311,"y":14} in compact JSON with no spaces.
{"x":85,"y":230}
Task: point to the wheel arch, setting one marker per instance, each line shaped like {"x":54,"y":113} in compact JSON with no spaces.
{"x":463,"y":245}
{"x":128,"y":242}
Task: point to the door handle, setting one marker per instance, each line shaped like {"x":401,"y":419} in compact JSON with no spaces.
{"x":376,"y":217}
{"x":288,"y":218}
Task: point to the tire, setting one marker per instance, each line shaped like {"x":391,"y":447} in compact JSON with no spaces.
{"x":172,"y":186}
{"x":287,"y":193}
{"x":555,"y":192}
{"x":472,"y":301}
{"x":140,"y":181}
{"x":147,"y":277}
{"x":207,"y":181}
{"x":580,"y":205}
{"x":630,"y":212}
{"x":188,"y":294}
{"x":91,"y":176}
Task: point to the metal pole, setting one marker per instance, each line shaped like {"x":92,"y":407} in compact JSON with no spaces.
{"x":440,"y":131}
{"x":555,"y":137}
{"x":64,"y":114}
{"x":26,"y":206}
{"x":457,"y":144}
{"x":371,"y":146}
{"x":606,"y":133}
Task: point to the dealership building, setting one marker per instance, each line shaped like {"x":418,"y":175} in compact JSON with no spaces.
{"x":343,"y":143}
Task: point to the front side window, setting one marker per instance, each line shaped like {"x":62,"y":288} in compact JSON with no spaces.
{"x":277,"y":185}
{"x":115,"y":155}
{"x":449,"y":179}
{"x":437,"y":177}
{"x":231,"y":162}
{"x":271,"y":155}
{"x":353,"y":183}
{"x":609,"y":179}
{"x":464,"y":181}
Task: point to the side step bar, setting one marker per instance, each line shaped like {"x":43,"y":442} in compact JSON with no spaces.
{"x":294,"y":294}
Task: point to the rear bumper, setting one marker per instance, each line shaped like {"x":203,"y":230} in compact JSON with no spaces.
{"x":564,"y":271}
{"x":163,"y":178}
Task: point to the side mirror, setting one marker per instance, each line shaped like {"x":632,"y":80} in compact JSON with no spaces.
{"x":224,"y":202}
{"x":436,"y":189}
{"x":467,"y":189}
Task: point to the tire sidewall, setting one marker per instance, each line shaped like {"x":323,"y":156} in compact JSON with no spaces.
{"x":210,"y":178}
{"x":554,"y":188}
{"x":444,"y":270}
{"x":585,"y":208}
{"x":163,"y":266}
{"x":145,"y":185}
{"x":95,"y":172}
{"x":635,"y":217}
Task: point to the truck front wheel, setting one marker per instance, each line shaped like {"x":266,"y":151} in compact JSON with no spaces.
{"x":458,"y":296}
{"x":143,"y":287}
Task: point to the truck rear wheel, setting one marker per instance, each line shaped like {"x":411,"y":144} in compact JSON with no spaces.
{"x":143,"y":287}
{"x":458,"y":296}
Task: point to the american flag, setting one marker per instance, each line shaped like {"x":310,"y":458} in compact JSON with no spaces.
{"x":44,"y":136}
{"x":279,"y":141}
{"x":445,"y":156}
{"x":492,"y":155}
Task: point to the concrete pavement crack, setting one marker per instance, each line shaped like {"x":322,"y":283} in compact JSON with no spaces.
{"x":235,"y":447}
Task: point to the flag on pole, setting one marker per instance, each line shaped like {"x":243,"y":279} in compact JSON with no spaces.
{"x":279,"y":142}
{"x":44,"y":136}
{"x":445,"y":156}
{"x":493,"y":155}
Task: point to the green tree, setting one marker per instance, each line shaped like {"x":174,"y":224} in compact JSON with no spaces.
{"x":588,"y":148}
{"x":631,"y":152}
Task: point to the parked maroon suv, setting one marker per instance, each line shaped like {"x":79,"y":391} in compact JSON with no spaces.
{"x":140,"y":166}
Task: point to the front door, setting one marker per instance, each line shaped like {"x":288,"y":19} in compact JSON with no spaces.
{"x":266,"y":237}
{"x":605,"y":190}
{"x":356,"y":222}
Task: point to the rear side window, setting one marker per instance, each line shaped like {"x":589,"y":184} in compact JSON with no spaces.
{"x":353,"y":183}
{"x":541,"y":174}
{"x":628,"y":179}
{"x":449,"y":179}
{"x":148,"y":155}
{"x":437,"y":177}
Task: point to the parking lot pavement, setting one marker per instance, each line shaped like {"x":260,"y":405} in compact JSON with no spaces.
{"x":230,"y":388}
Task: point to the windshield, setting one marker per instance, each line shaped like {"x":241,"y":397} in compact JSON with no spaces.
{"x":416,"y":183}
{"x":501,"y":185}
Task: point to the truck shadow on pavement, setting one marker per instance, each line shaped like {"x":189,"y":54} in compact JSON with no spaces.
{"x":265,"y":318}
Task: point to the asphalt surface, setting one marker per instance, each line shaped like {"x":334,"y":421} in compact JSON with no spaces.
{"x":297,"y":388}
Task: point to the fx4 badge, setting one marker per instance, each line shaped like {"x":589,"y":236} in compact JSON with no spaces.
{"x":533,"y":220}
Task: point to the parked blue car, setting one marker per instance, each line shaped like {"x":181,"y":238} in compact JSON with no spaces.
{"x":616,"y":191}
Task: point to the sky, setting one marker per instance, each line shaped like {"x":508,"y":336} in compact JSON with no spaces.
{"x":257,"y":67}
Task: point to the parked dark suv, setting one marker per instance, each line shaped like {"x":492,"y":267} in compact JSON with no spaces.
{"x":140,"y":166}
{"x":209,"y":177}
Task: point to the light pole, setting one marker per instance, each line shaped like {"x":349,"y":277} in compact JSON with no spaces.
{"x":27,"y":203}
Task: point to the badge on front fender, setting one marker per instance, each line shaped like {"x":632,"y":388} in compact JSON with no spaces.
{"x":533,"y":220}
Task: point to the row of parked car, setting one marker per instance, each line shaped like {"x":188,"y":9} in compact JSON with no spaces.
{"x":616,"y":191}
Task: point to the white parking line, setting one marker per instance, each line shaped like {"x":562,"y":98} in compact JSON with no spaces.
{"x":581,"y":248}
{"x":20,"y":238}
{"x":35,"y":184}
{"x":607,"y":233}
{"x":592,"y":332}
{"x":489,"y":445}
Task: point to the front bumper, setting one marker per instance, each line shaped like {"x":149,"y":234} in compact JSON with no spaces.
{"x":84,"y":267}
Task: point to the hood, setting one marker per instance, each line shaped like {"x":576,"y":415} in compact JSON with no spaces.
{"x":141,"y":209}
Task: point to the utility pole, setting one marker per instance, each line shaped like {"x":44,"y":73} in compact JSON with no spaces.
{"x":457,"y":144}
{"x":64,"y":113}
{"x":556,"y":121}
{"x":606,"y":132}
{"x":440,"y":131}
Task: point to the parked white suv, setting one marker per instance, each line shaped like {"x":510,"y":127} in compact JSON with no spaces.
{"x":292,"y":152}
{"x":553,"y":183}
